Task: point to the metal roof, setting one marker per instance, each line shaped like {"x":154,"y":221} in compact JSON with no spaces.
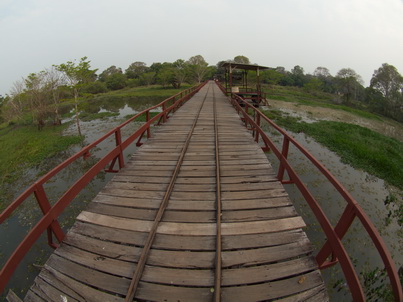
{"x":243,"y":66}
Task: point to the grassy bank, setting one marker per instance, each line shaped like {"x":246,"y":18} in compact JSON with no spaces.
{"x":24,"y":146}
{"x":360,"y":147}
{"x":314,"y":99}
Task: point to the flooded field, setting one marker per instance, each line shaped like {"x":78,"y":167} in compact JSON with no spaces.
{"x":370,"y":192}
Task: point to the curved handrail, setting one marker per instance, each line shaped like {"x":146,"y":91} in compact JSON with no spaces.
{"x":333,"y":246}
{"x":51,"y":213}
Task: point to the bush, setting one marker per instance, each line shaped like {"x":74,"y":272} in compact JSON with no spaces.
{"x":95,"y":87}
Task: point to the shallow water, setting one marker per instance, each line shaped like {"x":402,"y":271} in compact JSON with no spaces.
{"x":369,"y":191}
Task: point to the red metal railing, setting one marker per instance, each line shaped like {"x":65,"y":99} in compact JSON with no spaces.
{"x":333,"y":247}
{"x":51,"y":213}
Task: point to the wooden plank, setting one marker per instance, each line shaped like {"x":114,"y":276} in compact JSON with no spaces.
{"x":316,"y":294}
{"x":178,"y":277}
{"x":12,"y":297}
{"x":195,"y":229}
{"x":162,"y":241}
{"x":96,"y":262}
{"x":258,"y":203}
{"x":50,"y":293}
{"x":157,"y":292}
{"x":262,"y":240}
{"x":272,"y":290}
{"x":261,"y":214}
{"x":32,"y":297}
{"x":149,"y":214}
{"x":269,"y":272}
{"x":85,"y":276}
{"x":266,"y":255}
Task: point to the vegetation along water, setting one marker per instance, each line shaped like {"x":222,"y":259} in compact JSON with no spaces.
{"x":51,"y":114}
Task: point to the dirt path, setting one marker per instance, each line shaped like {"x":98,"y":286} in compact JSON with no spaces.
{"x":386,"y":127}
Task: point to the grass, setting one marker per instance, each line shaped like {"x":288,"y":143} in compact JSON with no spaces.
{"x":315,"y":99}
{"x":360,"y":147}
{"x":86,"y":117}
{"x":145,"y":91}
{"x":24,"y":146}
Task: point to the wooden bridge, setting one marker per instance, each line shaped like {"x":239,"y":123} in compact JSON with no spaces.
{"x":197,"y":214}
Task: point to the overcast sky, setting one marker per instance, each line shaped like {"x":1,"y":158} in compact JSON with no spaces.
{"x":359,"y":34}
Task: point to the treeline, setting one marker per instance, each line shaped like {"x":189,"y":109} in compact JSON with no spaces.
{"x":40,"y":97}
{"x":384,"y":95}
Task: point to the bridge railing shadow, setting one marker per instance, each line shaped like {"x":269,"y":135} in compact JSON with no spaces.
{"x":49,"y":221}
{"x":333,"y":251}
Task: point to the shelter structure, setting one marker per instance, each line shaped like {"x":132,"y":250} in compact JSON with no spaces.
{"x":236,"y":81}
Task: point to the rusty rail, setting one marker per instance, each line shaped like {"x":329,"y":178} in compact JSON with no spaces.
{"x":51,"y":213}
{"x":333,"y":247}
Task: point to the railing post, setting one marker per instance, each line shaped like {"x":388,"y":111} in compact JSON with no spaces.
{"x":257,"y":121}
{"x":45,"y":206}
{"x":284,"y":155}
{"x":118,"y":137}
{"x":164,"y":116}
{"x":149,"y":126}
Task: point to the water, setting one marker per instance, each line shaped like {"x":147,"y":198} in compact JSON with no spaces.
{"x":15,"y":228}
{"x":370,"y":192}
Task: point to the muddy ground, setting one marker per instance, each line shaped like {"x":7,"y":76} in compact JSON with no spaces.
{"x":386,"y":126}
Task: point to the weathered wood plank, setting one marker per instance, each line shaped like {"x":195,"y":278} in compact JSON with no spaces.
{"x":272,"y":290}
{"x":195,"y":229}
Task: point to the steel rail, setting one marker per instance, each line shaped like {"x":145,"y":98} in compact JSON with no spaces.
{"x":164,"y":203}
{"x":333,"y":246}
{"x":218,"y":260}
{"x":51,"y":213}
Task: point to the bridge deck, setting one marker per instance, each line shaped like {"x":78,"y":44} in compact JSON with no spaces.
{"x":263,"y":253}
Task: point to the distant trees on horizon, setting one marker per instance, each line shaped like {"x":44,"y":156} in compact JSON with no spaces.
{"x":42,"y":93}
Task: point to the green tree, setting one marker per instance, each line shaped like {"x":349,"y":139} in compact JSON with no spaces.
{"x":328,"y":82}
{"x":166,"y":76}
{"x":148,"y":78}
{"x":135,"y":70}
{"x":321,"y":72}
{"x":198,"y":68}
{"x":389,"y":82}
{"x":241,"y":60}
{"x":298,"y":76}
{"x":116,"y":81}
{"x":156,"y":67}
{"x":271,"y":76}
{"x":349,"y":84}
{"x":108,"y":72}
{"x":314,"y":84}
{"x":76,"y":76}
{"x":180,"y":70}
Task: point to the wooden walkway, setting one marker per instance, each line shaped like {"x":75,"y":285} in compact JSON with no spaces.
{"x":196,"y":215}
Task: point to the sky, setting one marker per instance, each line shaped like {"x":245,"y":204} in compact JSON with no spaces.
{"x":336,"y":34}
